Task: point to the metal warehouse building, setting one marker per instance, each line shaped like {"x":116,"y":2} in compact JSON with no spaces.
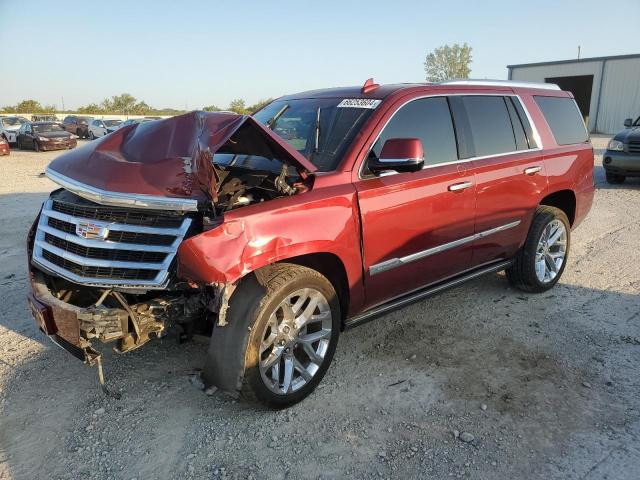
{"x":607,"y":89}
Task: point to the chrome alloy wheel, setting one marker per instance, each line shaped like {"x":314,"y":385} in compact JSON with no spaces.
{"x":551,"y":251}
{"x":295,"y":341}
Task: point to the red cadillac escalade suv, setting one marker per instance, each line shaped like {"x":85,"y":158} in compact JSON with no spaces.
{"x":274,"y":232}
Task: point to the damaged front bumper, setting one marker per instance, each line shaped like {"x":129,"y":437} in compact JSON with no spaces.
{"x":108,"y":317}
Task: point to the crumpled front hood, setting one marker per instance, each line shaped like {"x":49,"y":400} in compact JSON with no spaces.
{"x":172,"y":157}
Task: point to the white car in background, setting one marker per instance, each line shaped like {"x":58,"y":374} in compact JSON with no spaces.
{"x":100,"y":128}
{"x":9,"y":127}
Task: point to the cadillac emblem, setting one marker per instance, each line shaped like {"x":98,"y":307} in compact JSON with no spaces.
{"x":92,"y":231}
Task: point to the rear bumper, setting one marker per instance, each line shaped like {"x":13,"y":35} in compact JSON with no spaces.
{"x":58,"y":145}
{"x":621,"y":163}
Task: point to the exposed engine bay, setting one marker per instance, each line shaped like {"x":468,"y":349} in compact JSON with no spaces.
{"x":239,"y":187}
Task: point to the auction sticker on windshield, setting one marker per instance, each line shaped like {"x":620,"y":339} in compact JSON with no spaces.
{"x":359,"y":103}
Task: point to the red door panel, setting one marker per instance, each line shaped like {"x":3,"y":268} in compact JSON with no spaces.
{"x":403,"y":217}
{"x":508,"y":189}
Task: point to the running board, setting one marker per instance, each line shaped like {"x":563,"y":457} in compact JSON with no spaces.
{"x":423,"y":293}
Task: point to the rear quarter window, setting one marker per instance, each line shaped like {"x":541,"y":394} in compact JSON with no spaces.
{"x":564,"y":119}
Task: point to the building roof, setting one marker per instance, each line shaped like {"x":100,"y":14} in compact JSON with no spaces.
{"x":576,"y":60}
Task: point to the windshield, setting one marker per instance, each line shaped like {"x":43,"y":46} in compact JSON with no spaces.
{"x":47,"y":127}
{"x":111,"y":123}
{"x":13,"y":121}
{"x":319,"y":128}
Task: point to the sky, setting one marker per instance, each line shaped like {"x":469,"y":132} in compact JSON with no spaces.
{"x":190,"y":54}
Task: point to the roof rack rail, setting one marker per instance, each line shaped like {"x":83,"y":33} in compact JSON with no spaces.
{"x":502,"y":83}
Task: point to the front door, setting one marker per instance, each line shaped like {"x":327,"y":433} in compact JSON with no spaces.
{"x":417,"y":228}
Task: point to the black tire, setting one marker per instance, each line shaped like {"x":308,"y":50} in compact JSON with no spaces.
{"x":36,"y":146}
{"x":79,"y":133}
{"x":17,"y":147}
{"x":614,"y":179}
{"x":92,"y":136}
{"x":234,"y":355}
{"x":522,"y":274}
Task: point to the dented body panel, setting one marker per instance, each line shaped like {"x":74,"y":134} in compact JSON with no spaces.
{"x":323,"y":220}
{"x":171,"y":157}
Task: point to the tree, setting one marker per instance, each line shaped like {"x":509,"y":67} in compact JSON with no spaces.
{"x":238,"y":106}
{"x":448,"y":62}
{"x":91,"y":108}
{"x":257,"y":106}
{"x":211,"y":108}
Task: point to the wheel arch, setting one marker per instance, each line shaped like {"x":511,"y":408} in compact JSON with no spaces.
{"x":329,"y":265}
{"x":565,"y":200}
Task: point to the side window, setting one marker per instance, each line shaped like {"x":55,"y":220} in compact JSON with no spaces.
{"x":489,"y":124}
{"x":564,"y":119}
{"x":428,"y":119}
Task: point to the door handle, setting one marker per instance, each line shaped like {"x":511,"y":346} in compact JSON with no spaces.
{"x":456,"y":187}
{"x":532,"y":170}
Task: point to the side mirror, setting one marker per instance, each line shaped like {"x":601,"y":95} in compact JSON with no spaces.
{"x":399,"y":154}
{"x":628,"y":122}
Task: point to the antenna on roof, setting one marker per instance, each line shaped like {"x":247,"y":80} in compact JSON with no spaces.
{"x":369,"y":86}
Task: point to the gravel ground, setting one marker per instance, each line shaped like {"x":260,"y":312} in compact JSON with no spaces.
{"x":482,"y":381}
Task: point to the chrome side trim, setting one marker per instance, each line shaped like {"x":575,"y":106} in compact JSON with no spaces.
{"x":120,"y":199}
{"x":398,"y":262}
{"x":501,"y":83}
{"x":423,"y":292}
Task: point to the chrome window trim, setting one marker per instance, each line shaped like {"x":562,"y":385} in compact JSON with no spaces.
{"x":400,"y":160}
{"x":120,"y":199}
{"x":534,"y":129}
{"x":398,"y":262}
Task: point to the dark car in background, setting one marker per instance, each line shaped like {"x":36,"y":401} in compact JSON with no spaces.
{"x":44,"y":136}
{"x":77,"y":125}
{"x":133,"y":121}
{"x":622,"y":157}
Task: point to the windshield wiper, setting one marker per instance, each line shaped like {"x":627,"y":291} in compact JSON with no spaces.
{"x":271,"y":122}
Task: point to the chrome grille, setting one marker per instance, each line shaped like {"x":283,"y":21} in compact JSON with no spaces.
{"x":131,"y":248}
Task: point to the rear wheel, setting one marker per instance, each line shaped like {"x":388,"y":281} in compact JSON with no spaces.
{"x":541,"y":261}
{"x":614,"y":178}
{"x":36,"y":146}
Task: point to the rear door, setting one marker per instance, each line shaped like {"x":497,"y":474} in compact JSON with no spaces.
{"x":508,"y":170}
{"x":417,"y":227}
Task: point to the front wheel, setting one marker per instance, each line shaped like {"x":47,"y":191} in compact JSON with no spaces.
{"x":541,"y":261}
{"x":91,"y":135}
{"x":36,"y":146}
{"x":292,"y":317}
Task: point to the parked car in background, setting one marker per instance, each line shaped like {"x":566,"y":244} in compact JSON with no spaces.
{"x":78,"y":125}
{"x":45,"y":136}
{"x":100,"y":128}
{"x":380,"y":196}
{"x":44,"y":118}
{"x":133,"y":121}
{"x":4,"y":147}
{"x":622,"y":157}
{"x":9,"y":127}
